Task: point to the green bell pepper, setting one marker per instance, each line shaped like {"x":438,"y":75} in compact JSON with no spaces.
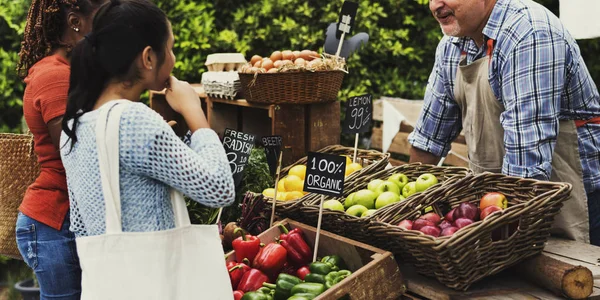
{"x":309,"y":288}
{"x":257,"y":295}
{"x":335,"y":261}
{"x":302,"y":296}
{"x":334,"y":277}
{"x":284,"y":285}
{"x":314,"y":277}
{"x":319,"y":268}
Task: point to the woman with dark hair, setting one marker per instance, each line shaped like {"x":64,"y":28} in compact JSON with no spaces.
{"x":43,"y":237}
{"x":128,"y":52}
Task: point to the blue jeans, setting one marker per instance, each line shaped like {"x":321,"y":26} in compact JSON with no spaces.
{"x":52,"y":255}
{"x":594,"y":212}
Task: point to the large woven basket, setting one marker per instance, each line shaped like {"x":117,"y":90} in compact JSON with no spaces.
{"x":292,"y":87}
{"x":470,"y":254}
{"x":357,"y":228}
{"x":18,"y":169}
{"x":371,"y":160}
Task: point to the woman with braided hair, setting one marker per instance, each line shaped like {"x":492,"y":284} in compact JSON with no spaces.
{"x":43,"y":236}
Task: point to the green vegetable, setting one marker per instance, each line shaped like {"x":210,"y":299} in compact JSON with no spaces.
{"x":333,"y":278}
{"x":309,"y":288}
{"x":314,"y":277}
{"x":302,"y":296}
{"x":319,"y":268}
{"x":284,"y":285}
{"x":335,"y":261}
{"x":256,"y":295}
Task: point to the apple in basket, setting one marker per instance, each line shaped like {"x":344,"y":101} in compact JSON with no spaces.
{"x":399,"y":179}
{"x":425,"y":181}
{"x":493,"y":199}
{"x":448,"y":231}
{"x":466,"y":210}
{"x":406,"y":224}
{"x":462,"y":222}
{"x":419,"y":223}
{"x":445,"y":224}
{"x":432,"y":217}
{"x":430,"y":230}
{"x":488,"y":211}
{"x":450,"y":215}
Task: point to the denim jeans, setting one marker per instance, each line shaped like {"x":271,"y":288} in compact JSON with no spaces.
{"x":52,"y":255}
{"x":594,"y":212}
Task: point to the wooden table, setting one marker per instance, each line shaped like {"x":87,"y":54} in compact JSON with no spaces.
{"x":507,"y":284}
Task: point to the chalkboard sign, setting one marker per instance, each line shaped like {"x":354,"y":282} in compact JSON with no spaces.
{"x":272,"y":145}
{"x":359,"y":114}
{"x":238,"y":146}
{"x":346,"y":19}
{"x":325,"y":174}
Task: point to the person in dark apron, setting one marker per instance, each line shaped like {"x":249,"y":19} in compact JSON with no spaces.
{"x":510,"y":76}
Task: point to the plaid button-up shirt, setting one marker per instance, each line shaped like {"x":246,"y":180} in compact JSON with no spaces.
{"x":538,"y":75}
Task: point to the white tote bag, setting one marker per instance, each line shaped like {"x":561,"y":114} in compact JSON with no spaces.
{"x":183,"y":263}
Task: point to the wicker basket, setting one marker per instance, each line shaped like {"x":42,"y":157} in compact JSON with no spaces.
{"x":18,"y":169}
{"x":292,"y":87}
{"x":371,"y":160}
{"x":484,"y":247}
{"x":357,"y":228}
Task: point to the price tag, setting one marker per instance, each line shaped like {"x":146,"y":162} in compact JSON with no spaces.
{"x":346,"y":19}
{"x":238,"y":146}
{"x":272,"y":145}
{"x":359,"y":114}
{"x":325,"y":174}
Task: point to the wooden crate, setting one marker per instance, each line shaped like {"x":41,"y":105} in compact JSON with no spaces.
{"x":375,"y":272}
{"x":303,"y":127}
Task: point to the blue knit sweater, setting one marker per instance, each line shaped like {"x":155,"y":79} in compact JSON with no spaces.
{"x":152,"y":159}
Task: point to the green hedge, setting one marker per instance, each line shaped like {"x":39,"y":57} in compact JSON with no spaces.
{"x":396,"y":62}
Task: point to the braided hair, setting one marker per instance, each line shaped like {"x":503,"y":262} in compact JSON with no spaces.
{"x":46,"y":23}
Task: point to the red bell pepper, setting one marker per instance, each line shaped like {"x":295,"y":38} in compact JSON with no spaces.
{"x":245,"y":246}
{"x":302,"y":272}
{"x":270,"y":259}
{"x":298,"y":251}
{"x":237,"y":295}
{"x":252,"y":280}
{"x":236,"y":271}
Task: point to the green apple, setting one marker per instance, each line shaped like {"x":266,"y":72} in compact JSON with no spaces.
{"x":409,"y":189}
{"x":388,"y":186}
{"x":425,"y":181}
{"x":386,"y":198}
{"x":399,"y":179}
{"x":349,"y":201}
{"x":365,"y":198}
{"x":372,"y":186}
{"x":368,"y":213}
{"x":356,"y":210}
{"x":333,"y":205}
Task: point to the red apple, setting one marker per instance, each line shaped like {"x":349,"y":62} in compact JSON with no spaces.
{"x":462,"y":222}
{"x":406,"y":224}
{"x":449,"y":231}
{"x":466,"y":210}
{"x":419,"y":223}
{"x":493,"y":198}
{"x":430,"y":230}
{"x":488,"y":210}
{"x":450,"y":215}
{"x":432,"y":217}
{"x":445,"y":224}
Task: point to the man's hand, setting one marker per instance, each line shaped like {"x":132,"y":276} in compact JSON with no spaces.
{"x":418,"y":155}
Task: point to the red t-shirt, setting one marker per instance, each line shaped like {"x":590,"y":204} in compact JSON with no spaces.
{"x":45,"y":98}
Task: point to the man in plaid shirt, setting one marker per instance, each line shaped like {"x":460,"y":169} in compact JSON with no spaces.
{"x":510,"y":75}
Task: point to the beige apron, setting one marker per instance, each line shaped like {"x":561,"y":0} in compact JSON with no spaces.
{"x":485,"y":142}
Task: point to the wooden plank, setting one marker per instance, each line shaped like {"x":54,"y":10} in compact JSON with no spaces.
{"x":241,"y":102}
{"x":255,"y":121}
{"x":289,"y":121}
{"x":323,"y":125}
{"x":222,"y":116}
{"x":401,"y":145}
